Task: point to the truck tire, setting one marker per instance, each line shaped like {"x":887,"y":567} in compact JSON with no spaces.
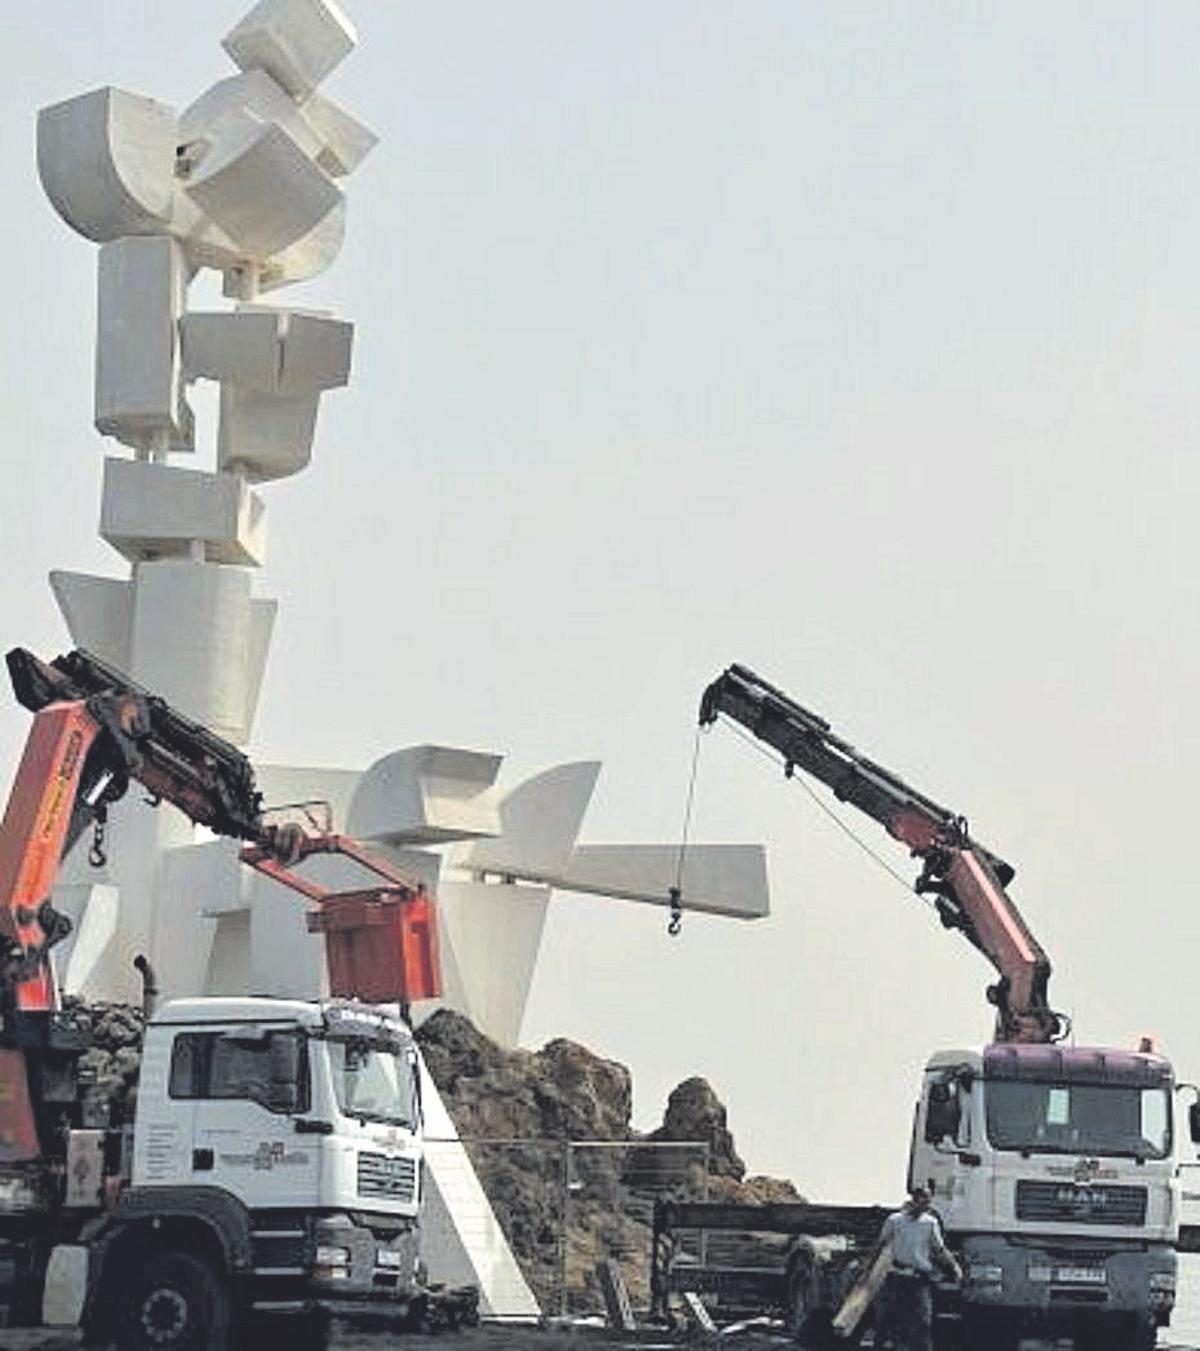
{"x":172,"y":1301}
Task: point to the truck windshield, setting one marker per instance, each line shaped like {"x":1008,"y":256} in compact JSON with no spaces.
{"x":1059,"y":1118}
{"x":373,"y":1084}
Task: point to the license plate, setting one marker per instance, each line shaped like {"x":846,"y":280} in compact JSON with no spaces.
{"x":387,"y":1258}
{"x":1080,"y":1275}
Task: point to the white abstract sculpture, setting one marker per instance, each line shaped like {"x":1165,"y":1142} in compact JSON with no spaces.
{"x":246,"y":181}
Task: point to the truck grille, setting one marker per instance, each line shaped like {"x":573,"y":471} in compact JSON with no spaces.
{"x":1052,"y":1201}
{"x":393,"y":1179}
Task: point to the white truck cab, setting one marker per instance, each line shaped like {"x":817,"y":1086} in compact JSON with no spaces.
{"x":308,"y":1115}
{"x":1054,"y":1171}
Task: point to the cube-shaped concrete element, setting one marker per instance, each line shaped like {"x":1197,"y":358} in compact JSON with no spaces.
{"x":345,"y":141}
{"x":427,"y":795}
{"x":139,"y":392}
{"x":106,"y":160}
{"x":156,"y":511}
{"x":242,"y":347}
{"x":276,"y":351}
{"x":265,"y":436}
{"x":316,"y":353}
{"x":297,"y":42}
{"x":261,"y":189}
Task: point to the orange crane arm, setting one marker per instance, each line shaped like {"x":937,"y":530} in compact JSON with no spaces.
{"x":966,"y":880}
{"x":93,"y":732}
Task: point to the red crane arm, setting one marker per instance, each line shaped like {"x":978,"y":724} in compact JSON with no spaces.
{"x":33,"y":837}
{"x":966,"y":880}
{"x":94,"y":731}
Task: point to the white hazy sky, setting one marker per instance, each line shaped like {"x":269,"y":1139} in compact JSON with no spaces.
{"x":853,"y":341}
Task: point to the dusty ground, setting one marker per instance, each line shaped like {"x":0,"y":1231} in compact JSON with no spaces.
{"x":476,"y":1339}
{"x":494,"y":1339}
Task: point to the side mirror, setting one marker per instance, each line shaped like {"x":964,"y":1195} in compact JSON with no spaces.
{"x":943,"y":1114}
{"x":283,"y":1093}
{"x":1194,"y":1122}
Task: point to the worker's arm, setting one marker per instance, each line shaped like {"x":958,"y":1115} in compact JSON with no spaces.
{"x":943,"y":1256}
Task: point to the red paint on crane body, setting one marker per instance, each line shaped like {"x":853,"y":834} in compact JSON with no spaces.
{"x":32,"y":835}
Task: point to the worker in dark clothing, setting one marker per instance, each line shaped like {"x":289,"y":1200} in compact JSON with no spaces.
{"x":914,"y":1235}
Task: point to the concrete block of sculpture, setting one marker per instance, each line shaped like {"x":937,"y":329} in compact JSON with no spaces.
{"x":718,"y":879}
{"x":297,"y":42}
{"x":189,"y":663}
{"x":241,"y":346}
{"x":264,"y":435}
{"x":539,"y":824}
{"x":151,"y":511}
{"x":346,"y":142}
{"x":426,"y":795}
{"x":94,"y":911}
{"x":139,"y":387}
{"x":107,"y":162}
{"x":98,"y":612}
{"x":316,"y":353}
{"x":225,"y":180}
{"x":281,"y":351}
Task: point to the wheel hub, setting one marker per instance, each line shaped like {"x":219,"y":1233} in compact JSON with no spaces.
{"x":164,"y":1316}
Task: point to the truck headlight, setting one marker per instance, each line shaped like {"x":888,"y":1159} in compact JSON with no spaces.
{"x":330,"y":1256}
{"x":331,"y":1263}
{"x":1041,"y":1275}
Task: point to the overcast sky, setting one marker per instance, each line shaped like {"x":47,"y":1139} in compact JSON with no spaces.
{"x":855,"y":342}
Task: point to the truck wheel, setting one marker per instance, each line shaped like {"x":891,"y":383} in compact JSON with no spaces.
{"x":171,"y":1302}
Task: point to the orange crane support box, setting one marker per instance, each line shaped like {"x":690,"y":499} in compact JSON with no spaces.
{"x":381,"y":942}
{"x":380,"y":946}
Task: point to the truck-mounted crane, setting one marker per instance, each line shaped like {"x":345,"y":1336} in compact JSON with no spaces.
{"x":273,"y":1160}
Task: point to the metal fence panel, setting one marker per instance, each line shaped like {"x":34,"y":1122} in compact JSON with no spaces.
{"x":566,"y":1206}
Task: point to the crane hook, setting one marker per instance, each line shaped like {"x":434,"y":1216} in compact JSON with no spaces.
{"x":675,"y":923}
{"x":97,"y":856}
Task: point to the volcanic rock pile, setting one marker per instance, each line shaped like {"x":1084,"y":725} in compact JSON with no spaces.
{"x":571,"y":1182}
{"x":108,"y":1069}
{"x":566,"y":1207}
